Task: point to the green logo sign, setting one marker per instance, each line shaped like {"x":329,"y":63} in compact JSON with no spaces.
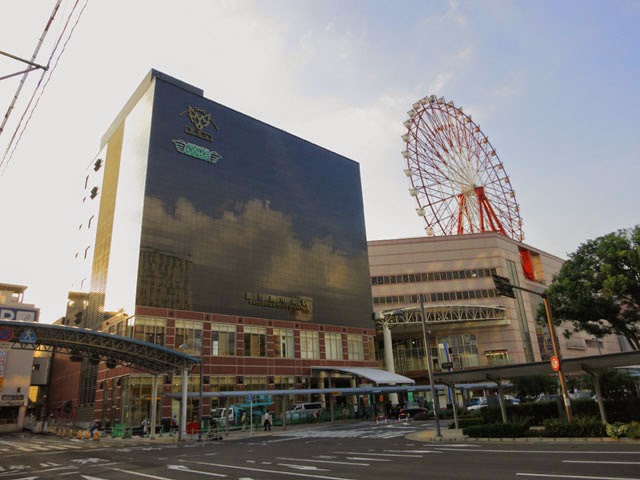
{"x":196,"y":151}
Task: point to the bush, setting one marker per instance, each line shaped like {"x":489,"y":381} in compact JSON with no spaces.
{"x":422,"y":416}
{"x":497,"y":430}
{"x":467,"y":422}
{"x":633,"y":430}
{"x":617,"y":430}
{"x":578,"y":427}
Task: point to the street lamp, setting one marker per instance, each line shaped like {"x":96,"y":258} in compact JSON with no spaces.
{"x":427,"y":351}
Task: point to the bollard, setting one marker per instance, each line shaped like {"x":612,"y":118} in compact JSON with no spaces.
{"x":86,"y":435}
{"x":79,"y":434}
{"x":96,"y":435}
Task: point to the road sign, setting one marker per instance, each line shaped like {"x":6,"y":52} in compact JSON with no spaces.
{"x":446,"y":365}
{"x":555,"y":363}
{"x":6,"y":334}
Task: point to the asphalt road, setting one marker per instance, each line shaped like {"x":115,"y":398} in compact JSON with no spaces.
{"x":346,"y":452}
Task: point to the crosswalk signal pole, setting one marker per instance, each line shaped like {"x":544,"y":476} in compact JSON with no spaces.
{"x":505,"y":288}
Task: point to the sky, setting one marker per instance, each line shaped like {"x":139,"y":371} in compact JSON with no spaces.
{"x":553,"y":84}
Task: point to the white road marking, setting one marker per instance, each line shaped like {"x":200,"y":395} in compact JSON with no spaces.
{"x":382,"y":454}
{"x":146,"y":475}
{"x":601,"y":461}
{"x":580,"y":477}
{"x":412,"y":451}
{"x":303,"y":467}
{"x":572,"y":452}
{"x":369,"y":459}
{"x":324,"y":461}
{"x":279,"y":472}
{"x":184,"y":468}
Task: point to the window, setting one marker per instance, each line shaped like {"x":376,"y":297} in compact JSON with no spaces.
{"x":497,"y":357}
{"x":309,"y":344}
{"x":148,"y":329}
{"x":355,"y":347}
{"x":223,"y":339}
{"x":463,"y":350}
{"x":333,"y":346}
{"x":255,"y":341}
{"x":188,"y":337}
{"x":283,"y":343}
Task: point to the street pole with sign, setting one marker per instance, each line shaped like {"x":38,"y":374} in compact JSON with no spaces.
{"x":504,"y":287}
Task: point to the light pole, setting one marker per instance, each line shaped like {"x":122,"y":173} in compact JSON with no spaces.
{"x":200,"y":361}
{"x":505,"y":288}
{"x":427,"y":351}
{"x":200,"y":402}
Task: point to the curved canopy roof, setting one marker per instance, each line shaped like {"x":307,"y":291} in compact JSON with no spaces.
{"x":376,"y":375}
{"x":94,"y":345}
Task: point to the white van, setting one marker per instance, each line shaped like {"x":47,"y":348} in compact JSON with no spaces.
{"x":223,"y":415}
{"x":305,"y":410}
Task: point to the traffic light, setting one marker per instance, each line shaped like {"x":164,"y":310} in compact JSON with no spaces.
{"x":503,"y":286}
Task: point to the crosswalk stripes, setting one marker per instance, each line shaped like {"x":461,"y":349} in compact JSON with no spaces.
{"x":19,"y":447}
{"x":380,"y":433}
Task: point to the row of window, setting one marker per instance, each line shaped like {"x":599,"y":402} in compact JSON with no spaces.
{"x":436,"y":297}
{"x":433,"y":276}
{"x":189,"y":339}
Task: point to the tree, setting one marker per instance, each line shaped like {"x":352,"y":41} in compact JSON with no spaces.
{"x":530,"y":386}
{"x":598,"y":287}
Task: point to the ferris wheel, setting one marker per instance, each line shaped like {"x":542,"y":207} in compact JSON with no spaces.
{"x":456,"y":176}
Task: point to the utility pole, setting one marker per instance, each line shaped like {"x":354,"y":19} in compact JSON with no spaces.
{"x":427,"y":352}
{"x":504,"y":287}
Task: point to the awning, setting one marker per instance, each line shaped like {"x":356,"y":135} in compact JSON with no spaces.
{"x":376,"y":375}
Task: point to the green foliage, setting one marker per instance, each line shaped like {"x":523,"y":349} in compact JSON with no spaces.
{"x":617,"y":430}
{"x":633,"y":430}
{"x":497,"y":430}
{"x":532,"y":413}
{"x":531,"y":386}
{"x":578,"y":427}
{"x":467,"y":422}
{"x":598,"y":287}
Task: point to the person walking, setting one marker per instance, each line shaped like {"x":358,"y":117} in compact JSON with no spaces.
{"x":243,"y":419}
{"x":145,"y":426}
{"x":267,"y":421}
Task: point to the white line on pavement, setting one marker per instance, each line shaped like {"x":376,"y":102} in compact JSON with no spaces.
{"x":580,"y":477}
{"x":146,"y":475}
{"x":381,"y":454}
{"x":279,"y":472}
{"x":572,"y":452}
{"x":323,"y":461}
{"x":601,"y":461}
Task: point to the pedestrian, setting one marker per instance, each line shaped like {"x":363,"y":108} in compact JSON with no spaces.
{"x":174,"y":425}
{"x":94,"y":427}
{"x":267,"y":421}
{"x":355,"y":410}
{"x":243,"y":419}
{"x":144,"y":425}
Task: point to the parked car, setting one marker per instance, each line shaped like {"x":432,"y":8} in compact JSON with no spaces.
{"x":476,"y":403}
{"x":512,"y":399}
{"x":413,"y":411}
{"x":548,"y":398}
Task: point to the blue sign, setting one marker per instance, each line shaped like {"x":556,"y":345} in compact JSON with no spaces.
{"x":28,"y":336}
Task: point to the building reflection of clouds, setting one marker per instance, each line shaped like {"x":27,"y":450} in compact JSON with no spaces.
{"x":254,"y":248}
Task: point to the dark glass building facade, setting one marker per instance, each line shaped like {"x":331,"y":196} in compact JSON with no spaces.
{"x":205,"y":209}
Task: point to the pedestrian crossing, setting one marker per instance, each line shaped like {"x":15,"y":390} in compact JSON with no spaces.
{"x":12,"y":447}
{"x":386,"y":431}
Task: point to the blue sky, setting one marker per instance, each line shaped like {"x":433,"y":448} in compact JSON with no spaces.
{"x":553,"y":84}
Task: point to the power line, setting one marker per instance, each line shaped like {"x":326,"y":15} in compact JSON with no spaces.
{"x":8,"y":154}
{"x":33,"y":59}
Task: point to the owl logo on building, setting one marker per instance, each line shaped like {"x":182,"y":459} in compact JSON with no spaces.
{"x":199,"y":121}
